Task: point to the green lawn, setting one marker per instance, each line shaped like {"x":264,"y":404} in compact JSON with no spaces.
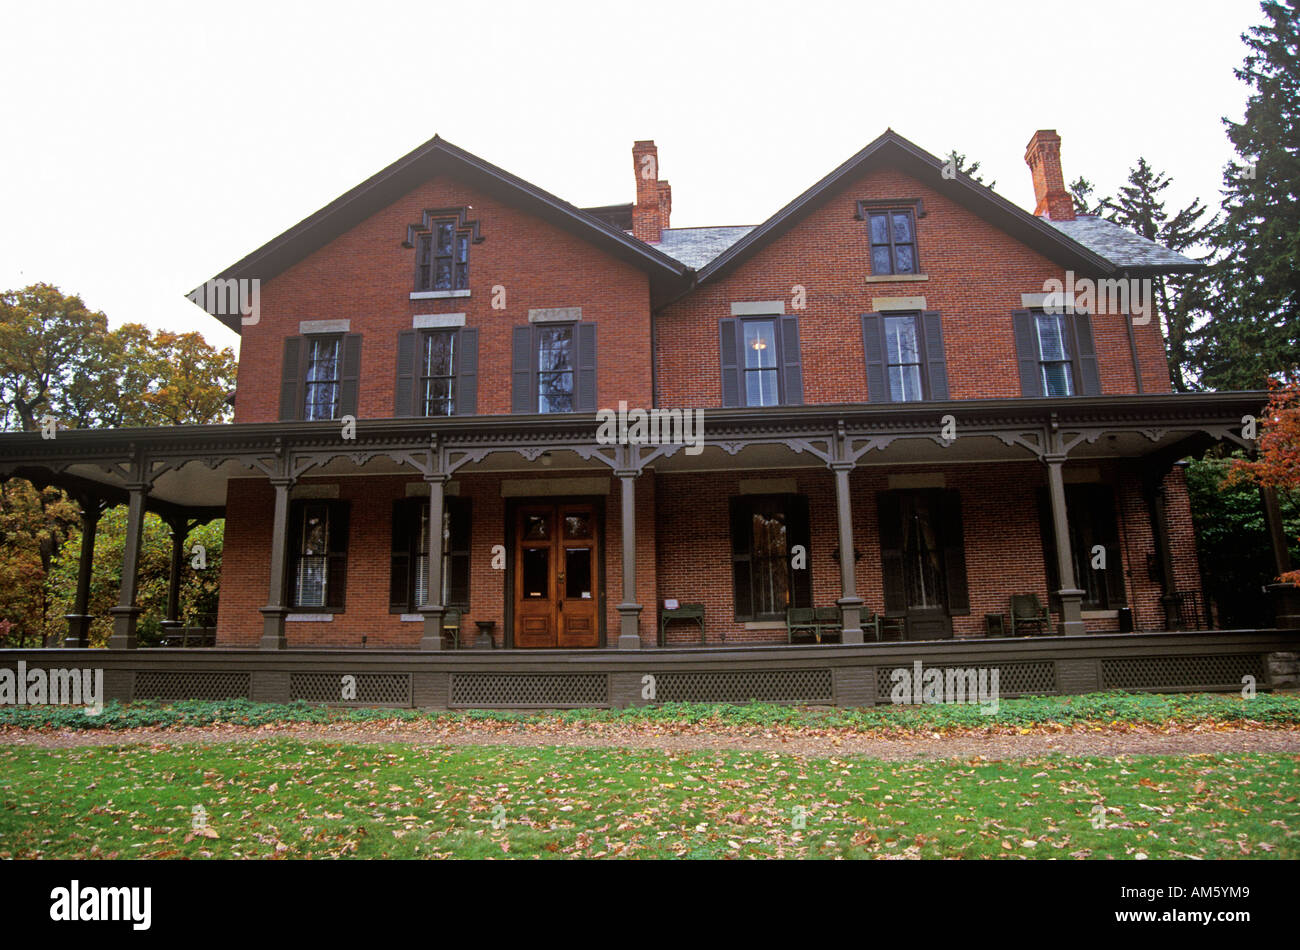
{"x":1269,"y":709}
{"x":287,"y":798}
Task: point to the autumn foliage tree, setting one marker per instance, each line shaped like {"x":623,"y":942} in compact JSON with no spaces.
{"x":1277,"y":464}
{"x":60,"y":359}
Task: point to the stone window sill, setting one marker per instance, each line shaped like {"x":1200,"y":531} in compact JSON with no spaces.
{"x":437,"y":294}
{"x":895,"y":278}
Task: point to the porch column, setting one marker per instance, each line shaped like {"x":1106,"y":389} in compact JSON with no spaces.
{"x":126,"y":614}
{"x":629,"y":628}
{"x":1071,"y":597}
{"x":1285,"y":597}
{"x":431,"y":639}
{"x":79,"y":619}
{"x":1160,"y":531}
{"x":179,"y":528}
{"x":850,"y":603}
{"x":277,"y":606}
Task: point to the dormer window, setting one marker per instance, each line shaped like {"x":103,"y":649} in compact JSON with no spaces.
{"x":442,"y":258}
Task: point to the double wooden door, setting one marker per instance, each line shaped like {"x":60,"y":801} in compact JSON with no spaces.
{"x":556,"y":568}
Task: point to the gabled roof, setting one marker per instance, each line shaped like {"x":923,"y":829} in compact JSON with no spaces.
{"x":435,"y":157}
{"x":1073,"y":248}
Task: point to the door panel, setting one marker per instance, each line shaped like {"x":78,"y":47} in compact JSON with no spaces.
{"x":556,"y":575}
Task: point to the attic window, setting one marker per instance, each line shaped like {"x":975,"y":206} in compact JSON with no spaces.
{"x":442,"y":257}
{"x":893,"y":241}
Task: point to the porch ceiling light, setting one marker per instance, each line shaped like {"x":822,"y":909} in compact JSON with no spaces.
{"x":546,"y":458}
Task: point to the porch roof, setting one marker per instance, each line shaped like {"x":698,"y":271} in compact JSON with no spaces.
{"x":189,"y":467}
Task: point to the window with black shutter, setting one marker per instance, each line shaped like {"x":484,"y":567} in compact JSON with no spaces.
{"x":553,"y":368}
{"x":760,"y":361}
{"x":765,"y":530}
{"x":408,"y":578}
{"x":320,"y":376}
{"x":905,"y":356}
{"x":1056,"y":354}
{"x":437,"y":372}
{"x":1094,"y":539}
{"x":318,"y":531}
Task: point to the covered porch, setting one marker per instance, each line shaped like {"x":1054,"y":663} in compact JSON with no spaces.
{"x":660,"y":518}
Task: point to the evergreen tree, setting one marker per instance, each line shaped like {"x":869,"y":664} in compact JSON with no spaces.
{"x":1255,"y":331}
{"x":1182,"y":301}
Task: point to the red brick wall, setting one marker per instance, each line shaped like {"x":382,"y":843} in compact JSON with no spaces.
{"x":366,"y":276}
{"x":976,"y":276}
{"x":1003,"y":545}
{"x":246,"y":571}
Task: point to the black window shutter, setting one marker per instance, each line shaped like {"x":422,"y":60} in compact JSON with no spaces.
{"x":467,"y":372}
{"x":873,"y":345}
{"x":954,"y":552}
{"x":294,"y":542}
{"x":399,"y":587}
{"x":458,"y":552}
{"x":792,"y":368}
{"x":1089,"y":376}
{"x":797,"y":524}
{"x":336,"y":585}
{"x":350,"y":374}
{"x":523,"y":389}
{"x":890,"y":530}
{"x":408,"y":347}
{"x":936,"y":366}
{"x":742,"y":527}
{"x":584,"y":397}
{"x":1031,"y":380}
{"x":290,"y":391}
{"x":729,"y":353}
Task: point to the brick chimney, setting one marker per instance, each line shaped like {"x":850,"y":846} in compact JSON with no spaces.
{"x":1043,"y":156}
{"x":654,"y":198}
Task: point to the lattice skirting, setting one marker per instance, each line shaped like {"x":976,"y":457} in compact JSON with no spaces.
{"x":363,"y":689}
{"x":542,"y":690}
{"x":191,"y":684}
{"x":1014,"y":679}
{"x":1181,"y":672}
{"x":771,"y":686}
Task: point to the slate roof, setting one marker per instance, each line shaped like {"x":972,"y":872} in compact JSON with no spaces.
{"x":1122,"y":247}
{"x":695,"y":247}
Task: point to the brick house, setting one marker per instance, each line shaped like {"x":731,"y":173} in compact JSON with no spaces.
{"x":902,"y":422}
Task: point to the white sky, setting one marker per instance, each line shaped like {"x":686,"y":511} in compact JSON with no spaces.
{"x":147,"y":146}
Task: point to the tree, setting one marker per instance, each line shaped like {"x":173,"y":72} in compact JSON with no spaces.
{"x":1277,"y":464}
{"x":1182,"y":301}
{"x":57,"y":357}
{"x":1255,"y":331}
{"x":957,"y":161}
{"x":1081,"y":191}
{"x":47,"y":342}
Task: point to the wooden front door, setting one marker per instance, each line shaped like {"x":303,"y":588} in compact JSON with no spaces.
{"x":556,"y":576}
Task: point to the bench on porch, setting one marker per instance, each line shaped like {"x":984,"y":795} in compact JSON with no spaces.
{"x":818,"y":621}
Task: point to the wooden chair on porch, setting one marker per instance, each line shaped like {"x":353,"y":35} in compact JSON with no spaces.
{"x":798,"y":621}
{"x":451,"y":626}
{"x":829,"y":622}
{"x":1028,"y":611}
